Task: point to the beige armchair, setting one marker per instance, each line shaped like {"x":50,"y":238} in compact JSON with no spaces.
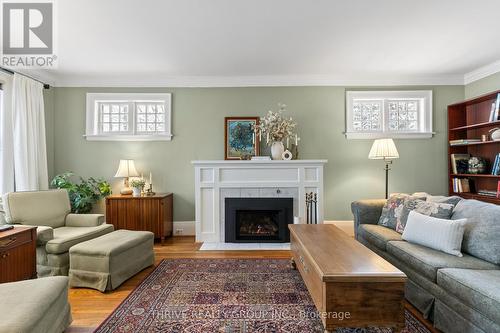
{"x":57,"y":228}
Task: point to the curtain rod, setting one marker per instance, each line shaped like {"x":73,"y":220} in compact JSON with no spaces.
{"x":10,"y":71}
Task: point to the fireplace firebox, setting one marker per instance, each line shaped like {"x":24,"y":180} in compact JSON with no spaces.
{"x":258,"y":220}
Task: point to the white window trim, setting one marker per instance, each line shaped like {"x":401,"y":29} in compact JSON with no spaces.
{"x":426,"y":103}
{"x":92,"y":129}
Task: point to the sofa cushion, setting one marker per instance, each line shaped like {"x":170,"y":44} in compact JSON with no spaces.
{"x":47,"y":208}
{"x":479,"y":289}
{"x":391,"y":213}
{"x":35,"y":306}
{"x":482,"y":230}
{"x":378,"y":235}
{"x":427,"y":261}
{"x":428,"y":208}
{"x":66,"y":237}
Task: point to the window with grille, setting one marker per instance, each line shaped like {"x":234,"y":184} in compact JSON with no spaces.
{"x":388,"y":114}
{"x":130,"y":117}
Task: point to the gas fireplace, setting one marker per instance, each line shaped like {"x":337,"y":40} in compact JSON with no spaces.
{"x":250,"y":220}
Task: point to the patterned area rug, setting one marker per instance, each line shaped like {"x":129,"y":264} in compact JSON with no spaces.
{"x":224,"y":295}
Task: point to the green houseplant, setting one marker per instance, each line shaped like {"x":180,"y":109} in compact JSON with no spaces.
{"x":82,"y":195}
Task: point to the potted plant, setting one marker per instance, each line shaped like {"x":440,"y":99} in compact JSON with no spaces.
{"x":276,"y":128}
{"x":82,"y":195}
{"x":137,"y":185}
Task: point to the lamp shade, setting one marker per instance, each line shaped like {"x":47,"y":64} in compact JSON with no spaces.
{"x":383,"y":149}
{"x":126,"y":169}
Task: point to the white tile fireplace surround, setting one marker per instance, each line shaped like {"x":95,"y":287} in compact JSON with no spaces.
{"x":217,"y":180}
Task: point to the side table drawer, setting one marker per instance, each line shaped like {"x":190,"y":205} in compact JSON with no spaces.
{"x":14,"y":241}
{"x":309,"y":274}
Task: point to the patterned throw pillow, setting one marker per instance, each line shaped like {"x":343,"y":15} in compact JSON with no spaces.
{"x":428,"y":208}
{"x":393,"y":208}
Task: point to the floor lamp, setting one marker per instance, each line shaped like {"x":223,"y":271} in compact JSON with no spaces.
{"x":384,"y":149}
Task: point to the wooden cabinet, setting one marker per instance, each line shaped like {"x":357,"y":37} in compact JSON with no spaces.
{"x":148,"y":213}
{"x":18,"y":254}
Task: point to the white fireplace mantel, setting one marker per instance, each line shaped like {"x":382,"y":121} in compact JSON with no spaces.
{"x":220,"y":179}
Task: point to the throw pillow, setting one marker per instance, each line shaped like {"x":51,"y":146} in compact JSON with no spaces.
{"x":393,"y":208}
{"x":434,"y":209}
{"x":438,"y":234}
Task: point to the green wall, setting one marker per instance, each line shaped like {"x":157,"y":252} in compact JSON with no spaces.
{"x":483,"y":86}
{"x":198,"y":128}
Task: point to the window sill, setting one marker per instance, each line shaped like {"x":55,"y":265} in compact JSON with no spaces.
{"x":163,"y":137}
{"x":369,"y":136}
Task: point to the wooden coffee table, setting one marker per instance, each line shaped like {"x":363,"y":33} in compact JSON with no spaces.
{"x":350,"y":285}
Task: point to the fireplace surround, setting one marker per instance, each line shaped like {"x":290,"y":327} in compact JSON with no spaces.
{"x":258,"y":220}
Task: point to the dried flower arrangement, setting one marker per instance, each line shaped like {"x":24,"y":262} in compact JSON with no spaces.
{"x":276,"y":127}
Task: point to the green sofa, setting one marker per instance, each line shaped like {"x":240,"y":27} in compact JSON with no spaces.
{"x":457,"y":294}
{"x":57,"y":229}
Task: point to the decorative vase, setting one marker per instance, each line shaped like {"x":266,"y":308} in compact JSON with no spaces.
{"x":277,"y":149}
{"x":136,"y":191}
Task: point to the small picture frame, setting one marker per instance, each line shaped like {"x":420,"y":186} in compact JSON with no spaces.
{"x":240,"y":141}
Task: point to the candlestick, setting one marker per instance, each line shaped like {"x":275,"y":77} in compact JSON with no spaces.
{"x":150,"y":178}
{"x":296,"y":140}
{"x":260,"y":136}
{"x":267,"y":140}
{"x":287,"y":143}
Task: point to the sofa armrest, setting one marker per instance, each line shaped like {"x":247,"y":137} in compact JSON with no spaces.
{"x":84,"y":220}
{"x":366,"y":212}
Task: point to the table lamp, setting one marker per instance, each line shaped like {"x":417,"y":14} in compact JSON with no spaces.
{"x":126,"y":169}
{"x":384,"y":149}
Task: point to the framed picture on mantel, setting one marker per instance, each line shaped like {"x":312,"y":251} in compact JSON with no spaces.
{"x":240,"y":139}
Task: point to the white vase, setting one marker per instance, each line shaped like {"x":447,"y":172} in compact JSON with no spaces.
{"x":277,"y":149}
{"x":136,"y":191}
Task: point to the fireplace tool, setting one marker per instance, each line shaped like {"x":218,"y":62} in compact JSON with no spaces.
{"x":311,"y":208}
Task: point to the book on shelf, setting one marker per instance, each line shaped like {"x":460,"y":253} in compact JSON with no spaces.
{"x":461,"y":185}
{"x":488,"y":193}
{"x":496,"y":114}
{"x":461,"y":142}
{"x":493,"y":112}
{"x":459,"y":163}
{"x":495,"y":169}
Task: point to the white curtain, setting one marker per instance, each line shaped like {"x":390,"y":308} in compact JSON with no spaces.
{"x":30,"y":152}
{"x":6,"y":136}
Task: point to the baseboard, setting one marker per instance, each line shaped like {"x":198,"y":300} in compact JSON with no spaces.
{"x":184,"y":228}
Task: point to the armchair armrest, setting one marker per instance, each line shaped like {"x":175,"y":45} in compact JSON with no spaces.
{"x":84,"y":220}
{"x":43,"y":233}
{"x":366,"y":212}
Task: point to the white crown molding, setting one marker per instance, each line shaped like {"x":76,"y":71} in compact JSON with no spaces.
{"x":251,"y":81}
{"x":482,"y":72}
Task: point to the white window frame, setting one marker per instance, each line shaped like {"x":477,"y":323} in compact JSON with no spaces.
{"x":92,"y":132}
{"x":424,"y":98}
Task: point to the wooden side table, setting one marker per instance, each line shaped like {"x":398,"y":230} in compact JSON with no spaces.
{"x":145,"y":213}
{"x":18,"y":254}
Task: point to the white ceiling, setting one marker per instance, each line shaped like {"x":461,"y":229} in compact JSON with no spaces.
{"x":272,"y":42}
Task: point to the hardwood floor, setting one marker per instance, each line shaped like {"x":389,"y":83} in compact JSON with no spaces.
{"x":90,"y":307}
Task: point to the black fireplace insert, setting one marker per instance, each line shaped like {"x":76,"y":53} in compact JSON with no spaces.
{"x":258,"y":220}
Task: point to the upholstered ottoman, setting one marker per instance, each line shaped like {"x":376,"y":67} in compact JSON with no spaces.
{"x":104,"y":263}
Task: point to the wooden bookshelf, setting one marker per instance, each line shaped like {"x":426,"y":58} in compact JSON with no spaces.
{"x":470,"y":120}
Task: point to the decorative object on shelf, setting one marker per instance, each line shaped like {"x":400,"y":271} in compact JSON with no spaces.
{"x":246,"y":157}
{"x":277,"y":129}
{"x":477,"y":165}
{"x":287,"y":155}
{"x":82,"y":195}
{"x":261,"y":158}
{"x":125,"y":170}
{"x":459,"y":163}
{"x":277,"y":150}
{"x":239,"y":136}
{"x":137,"y":185}
{"x":295,"y":150}
{"x":384,"y":149}
{"x":311,"y":208}
{"x":494,"y":134}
